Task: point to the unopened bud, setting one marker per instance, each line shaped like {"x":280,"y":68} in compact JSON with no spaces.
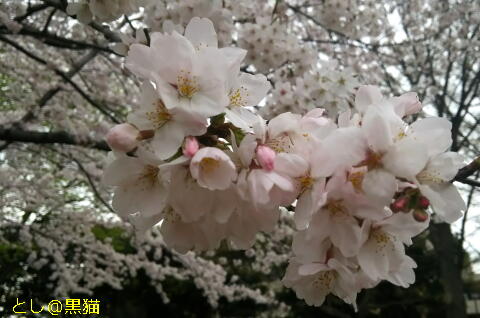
{"x":399,"y":204}
{"x":420,"y":215}
{"x":191,"y":147}
{"x":423,"y":203}
{"x":123,"y":137}
{"x":266,"y":157}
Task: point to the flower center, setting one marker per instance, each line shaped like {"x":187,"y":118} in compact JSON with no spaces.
{"x":236,"y":97}
{"x":381,"y":239}
{"x":171,"y":216}
{"x":209,"y":164}
{"x":187,"y":85}
{"x":160,"y":115}
{"x":400,"y":136}
{"x":282,"y":143}
{"x":305,"y":182}
{"x":373,"y":160}
{"x":356,"y":178}
{"x":336,"y":208}
{"x":324,"y":280}
{"x":150,"y":175}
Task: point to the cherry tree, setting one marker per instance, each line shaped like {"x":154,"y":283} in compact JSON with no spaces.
{"x":147,"y":136}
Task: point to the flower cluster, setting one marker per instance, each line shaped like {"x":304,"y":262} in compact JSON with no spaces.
{"x":102,"y":10}
{"x":173,"y":15}
{"x":327,"y":87}
{"x":346,"y":17}
{"x":265,"y":41}
{"x":195,"y":158}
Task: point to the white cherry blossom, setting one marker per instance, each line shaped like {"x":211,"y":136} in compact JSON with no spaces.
{"x":213,"y":169}
{"x":170,"y":125}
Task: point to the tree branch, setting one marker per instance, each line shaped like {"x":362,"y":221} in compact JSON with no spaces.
{"x":55,"y":137}
{"x":92,"y":185}
{"x":62,"y":75}
{"x":467,"y":171}
{"x":76,"y":67}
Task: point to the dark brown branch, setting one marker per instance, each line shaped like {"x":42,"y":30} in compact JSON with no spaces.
{"x":470,"y":182}
{"x":109,"y":35}
{"x":30,"y":11}
{"x":467,"y":171}
{"x":461,"y":250}
{"x":76,"y":67}
{"x":49,"y":19}
{"x":56,"y":137}
{"x":56,"y":41}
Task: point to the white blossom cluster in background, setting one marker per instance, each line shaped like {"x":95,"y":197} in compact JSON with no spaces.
{"x":196,"y":159}
{"x":326,"y":85}
{"x":168,"y":16}
{"x":352,"y":17}
{"x":265,"y":41}
{"x":103,"y":10}
{"x":101,"y":259}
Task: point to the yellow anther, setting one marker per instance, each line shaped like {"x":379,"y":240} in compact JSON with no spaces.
{"x":356,"y":178}
{"x":150,"y":175}
{"x":160,"y":115}
{"x":336,"y":208}
{"x":186,"y":84}
{"x":209,"y":164}
{"x":237,"y":97}
{"x":324,"y":280}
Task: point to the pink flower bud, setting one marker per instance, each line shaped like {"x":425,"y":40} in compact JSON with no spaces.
{"x":423,"y":203}
{"x":191,"y":147}
{"x":123,"y":137}
{"x":420,"y":215}
{"x":399,"y":204}
{"x":266,"y":157}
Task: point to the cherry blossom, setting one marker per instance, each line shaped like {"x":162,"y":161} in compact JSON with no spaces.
{"x":360,"y":180}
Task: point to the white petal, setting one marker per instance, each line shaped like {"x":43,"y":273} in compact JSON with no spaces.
{"x":173,"y":53}
{"x":167,"y":140}
{"x":234,"y":58}
{"x":284,"y":122}
{"x":192,"y":124}
{"x":122,"y":171}
{"x":377,"y":130}
{"x":445,"y":200}
{"x":241,"y":118}
{"x":434,"y":133}
{"x":445,"y":166}
{"x":404,"y":276}
{"x":252,"y":88}
{"x":290,"y":165}
{"x":403,"y":226}
{"x":380,"y":186}
{"x":366,"y":96}
{"x":406,"y":158}
{"x":139,"y":60}
{"x":310,"y":269}
{"x":341,"y":149}
{"x":201,"y":32}
{"x":304,"y":210}
{"x":406,"y":104}
{"x":346,"y":235}
{"x":246,"y":151}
